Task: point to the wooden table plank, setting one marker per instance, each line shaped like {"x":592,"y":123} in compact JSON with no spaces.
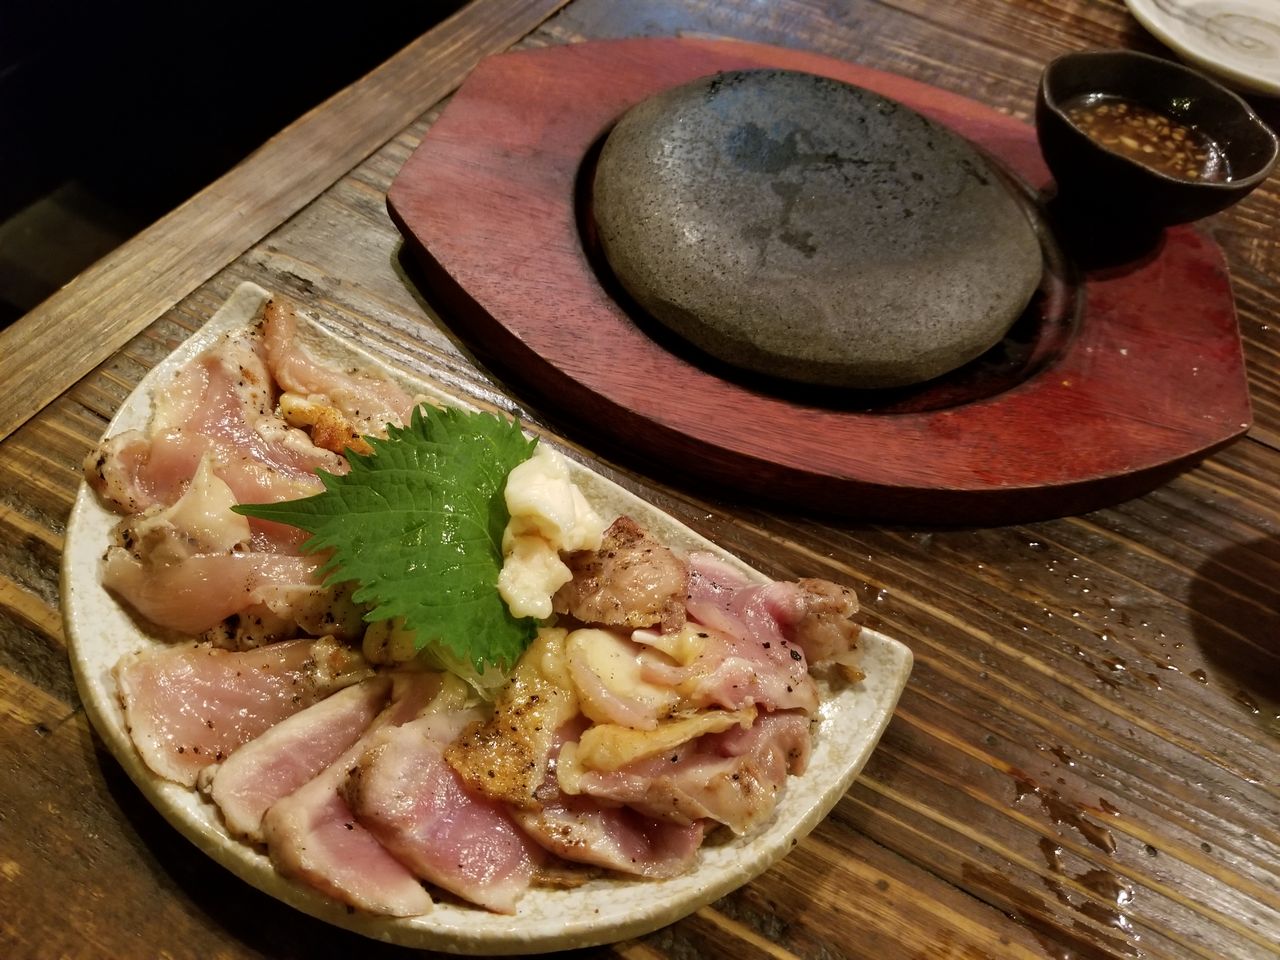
{"x":126,"y":290}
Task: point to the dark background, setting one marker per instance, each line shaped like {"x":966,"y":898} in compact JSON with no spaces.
{"x":113,"y":114}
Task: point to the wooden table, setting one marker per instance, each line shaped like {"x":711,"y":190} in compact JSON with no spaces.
{"x":1084,"y":763}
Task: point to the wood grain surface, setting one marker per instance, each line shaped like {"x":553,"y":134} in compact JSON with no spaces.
{"x":1084,"y":764}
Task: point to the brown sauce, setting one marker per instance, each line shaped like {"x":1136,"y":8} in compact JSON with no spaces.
{"x":1149,"y":137}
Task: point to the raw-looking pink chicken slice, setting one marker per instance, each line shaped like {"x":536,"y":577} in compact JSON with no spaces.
{"x":238,"y":409}
{"x":192,"y":705}
{"x":369,"y":403}
{"x":732,"y":777}
{"x":756,"y":640}
{"x":811,"y":617}
{"x":221,"y":405}
{"x":188,"y":567}
{"x":290,"y":754}
{"x":224,"y":402}
{"x":408,"y":796}
{"x":582,"y":830}
{"x":734,"y":671}
{"x":200,"y":592}
{"x":815,"y":615}
{"x":135,"y":471}
{"x":313,"y":836}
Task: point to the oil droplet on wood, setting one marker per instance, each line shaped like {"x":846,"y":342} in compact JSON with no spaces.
{"x":1246,"y":701}
{"x":1102,"y":883}
{"x":1052,"y":854}
{"x":1059,"y":942}
{"x":1027,"y":907}
{"x":1107,"y":885}
{"x":1063,"y":813}
{"x":1105,"y":915}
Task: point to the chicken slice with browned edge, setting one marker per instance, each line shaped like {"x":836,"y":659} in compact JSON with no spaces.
{"x":290,"y":754}
{"x":313,"y":836}
{"x":733,"y":777}
{"x":581,"y":829}
{"x":191,"y":705}
{"x":408,"y":797}
{"x":631,"y":581}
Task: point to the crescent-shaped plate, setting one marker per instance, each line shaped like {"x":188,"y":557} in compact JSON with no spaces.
{"x":100,"y":631}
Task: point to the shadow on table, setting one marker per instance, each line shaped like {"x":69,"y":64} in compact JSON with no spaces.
{"x":259,"y":922}
{"x":113,"y":114}
{"x":223,"y":908}
{"x":1235,"y":619}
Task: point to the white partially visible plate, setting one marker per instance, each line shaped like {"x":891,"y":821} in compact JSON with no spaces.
{"x":100,"y":631}
{"x":1237,"y":40}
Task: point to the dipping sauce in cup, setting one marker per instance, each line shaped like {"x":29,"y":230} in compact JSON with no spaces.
{"x":1148,"y":136}
{"x":1138,"y":142}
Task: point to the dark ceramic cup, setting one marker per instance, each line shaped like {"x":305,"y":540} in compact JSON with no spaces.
{"x":1093,"y":178}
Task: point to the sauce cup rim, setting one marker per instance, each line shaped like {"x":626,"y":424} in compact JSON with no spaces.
{"x":1049,"y":98}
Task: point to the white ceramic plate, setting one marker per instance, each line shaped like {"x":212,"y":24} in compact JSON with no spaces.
{"x":99,"y":631}
{"x":1237,"y":40}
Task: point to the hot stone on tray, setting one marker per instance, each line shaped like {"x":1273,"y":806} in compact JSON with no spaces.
{"x":799,"y":227}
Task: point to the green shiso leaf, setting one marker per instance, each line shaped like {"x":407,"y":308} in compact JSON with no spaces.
{"x":418,"y":526}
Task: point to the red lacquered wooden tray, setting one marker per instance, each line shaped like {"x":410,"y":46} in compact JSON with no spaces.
{"x":1150,"y":380}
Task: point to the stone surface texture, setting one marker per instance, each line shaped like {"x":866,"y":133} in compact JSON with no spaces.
{"x":795,"y":226}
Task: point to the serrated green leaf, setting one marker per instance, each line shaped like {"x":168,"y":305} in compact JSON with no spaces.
{"x":418,"y":526}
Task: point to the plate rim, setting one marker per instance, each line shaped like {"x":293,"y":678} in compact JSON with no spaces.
{"x":1155,"y":22}
{"x":464,"y":929}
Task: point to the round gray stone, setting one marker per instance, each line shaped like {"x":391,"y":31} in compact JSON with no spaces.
{"x":796,"y":226}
